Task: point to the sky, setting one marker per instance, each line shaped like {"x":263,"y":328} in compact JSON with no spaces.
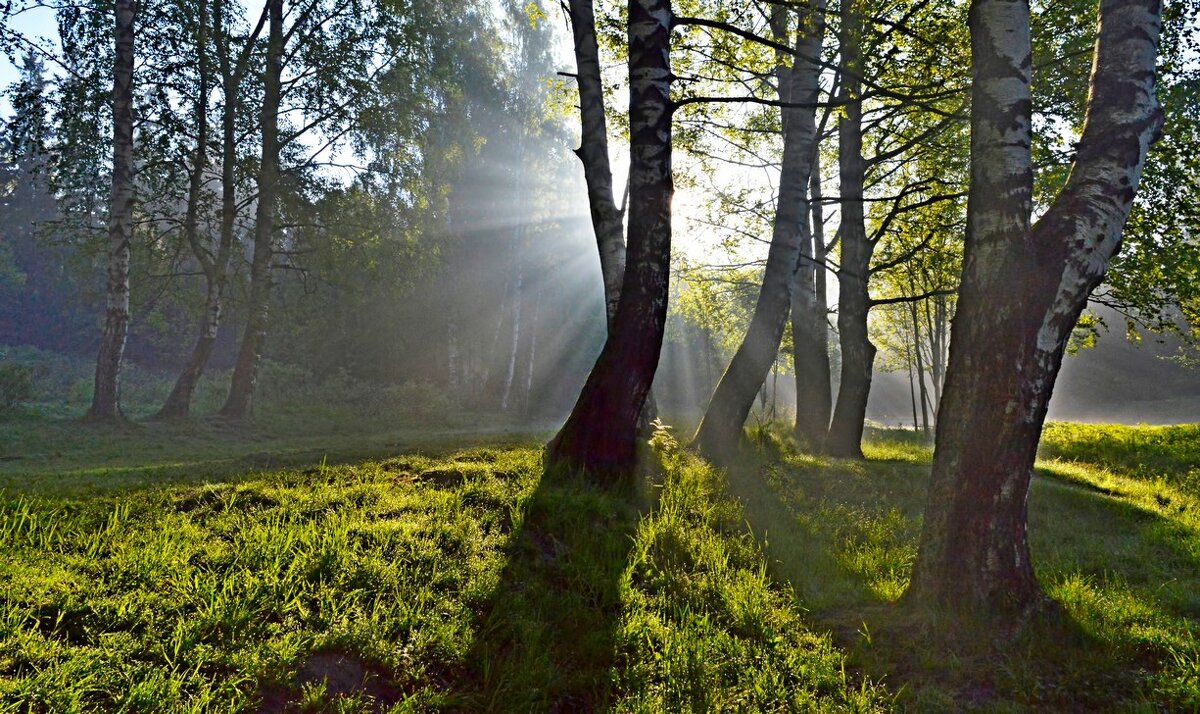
{"x":35,"y":24}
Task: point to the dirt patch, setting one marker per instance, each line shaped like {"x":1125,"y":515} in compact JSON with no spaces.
{"x":343,"y":676}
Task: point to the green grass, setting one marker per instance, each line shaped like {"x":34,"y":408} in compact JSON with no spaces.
{"x":459,"y":582}
{"x":43,"y":452}
{"x":194,"y":568}
{"x":1167,"y":453}
{"x":1121,"y":553}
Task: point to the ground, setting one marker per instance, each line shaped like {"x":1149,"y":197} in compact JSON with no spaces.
{"x":420,"y":570}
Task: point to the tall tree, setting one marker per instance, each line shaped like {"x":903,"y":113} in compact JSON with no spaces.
{"x":245,"y":371}
{"x":791,"y":245}
{"x":1023,"y":290}
{"x":106,"y":399}
{"x":810,"y":328}
{"x":599,"y":437}
{"x":593,"y":154}
{"x":212,"y":29}
{"x":854,"y":301}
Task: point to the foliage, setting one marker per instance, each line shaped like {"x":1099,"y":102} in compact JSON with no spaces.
{"x":16,"y":384}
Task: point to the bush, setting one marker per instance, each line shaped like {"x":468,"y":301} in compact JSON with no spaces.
{"x":16,"y":384}
{"x":416,"y":400}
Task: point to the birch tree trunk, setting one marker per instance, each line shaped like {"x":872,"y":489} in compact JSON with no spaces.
{"x":1023,"y":290}
{"x":912,"y":307}
{"x":720,"y":430}
{"x":106,"y":397}
{"x":245,"y":372}
{"x":599,"y":438}
{"x":518,"y":301}
{"x":854,"y":302}
{"x":607,"y":219}
{"x":593,"y":154}
{"x":216,"y":271}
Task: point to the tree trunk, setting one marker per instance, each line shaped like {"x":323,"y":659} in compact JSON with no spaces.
{"x":216,"y":267}
{"x":531,"y":361}
{"x":1022,"y":292}
{"x":593,"y":154}
{"x":854,"y":303}
{"x":106,"y":398}
{"x":510,"y":372}
{"x":607,"y":219}
{"x":179,"y":402}
{"x":245,"y":372}
{"x":810,"y":334}
{"x":912,"y":387}
{"x":912,"y":306}
{"x":791,"y":250}
{"x":599,"y":438}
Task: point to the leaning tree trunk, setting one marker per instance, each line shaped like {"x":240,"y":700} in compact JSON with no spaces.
{"x":721,"y":429}
{"x":179,"y":400}
{"x":854,"y":302}
{"x":1023,"y":290}
{"x":599,"y":438}
{"x":810,"y":334}
{"x":245,"y":371}
{"x":106,"y":399}
{"x":593,"y":154}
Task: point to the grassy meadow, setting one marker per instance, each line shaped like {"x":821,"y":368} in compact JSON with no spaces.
{"x":176,"y":571}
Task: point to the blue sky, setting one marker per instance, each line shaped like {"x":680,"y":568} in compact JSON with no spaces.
{"x":35,"y":24}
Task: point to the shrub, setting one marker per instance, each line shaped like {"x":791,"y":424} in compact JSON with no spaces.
{"x":16,"y":384}
{"x":416,"y":400}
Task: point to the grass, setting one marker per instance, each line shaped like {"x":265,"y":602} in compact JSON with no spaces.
{"x":161,"y":569}
{"x":1120,"y":551}
{"x":454,"y":582}
{"x":42,"y":452}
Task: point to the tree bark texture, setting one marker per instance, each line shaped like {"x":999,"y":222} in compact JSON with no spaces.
{"x":854,"y":301}
{"x":1023,"y":290}
{"x":720,"y":430}
{"x":106,"y":397}
{"x":599,"y":438}
{"x":593,"y":154}
{"x":245,"y":371}
{"x":810,"y":333}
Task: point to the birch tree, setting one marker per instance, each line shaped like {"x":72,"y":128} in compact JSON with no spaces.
{"x":1024,"y":286}
{"x":213,"y":31}
{"x":245,"y":371}
{"x":791,"y":245}
{"x":106,"y":398}
{"x":599,"y":437}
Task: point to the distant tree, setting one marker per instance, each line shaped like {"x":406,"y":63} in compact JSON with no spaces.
{"x":106,"y":399}
{"x":36,"y":291}
{"x":791,"y":243}
{"x":220,"y":58}
{"x":1023,"y":289}
{"x":245,"y":371}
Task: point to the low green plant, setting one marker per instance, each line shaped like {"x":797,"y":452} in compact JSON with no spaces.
{"x":16,"y":385}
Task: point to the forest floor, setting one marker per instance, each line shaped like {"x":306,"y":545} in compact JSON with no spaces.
{"x":436,"y":570}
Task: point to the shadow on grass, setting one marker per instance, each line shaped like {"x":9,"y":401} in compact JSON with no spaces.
{"x":546,"y":636}
{"x":844,"y":535}
{"x":55,"y":458}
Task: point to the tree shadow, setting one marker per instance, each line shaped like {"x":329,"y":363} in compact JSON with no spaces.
{"x":545,"y":638}
{"x":843,"y":534}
